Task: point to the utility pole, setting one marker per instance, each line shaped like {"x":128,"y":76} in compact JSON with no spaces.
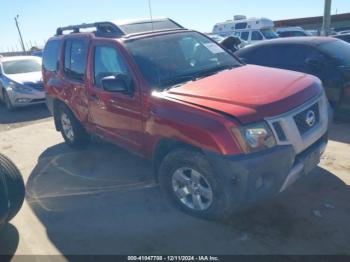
{"x":19,"y":32}
{"x":150,"y":13}
{"x":326,"y":17}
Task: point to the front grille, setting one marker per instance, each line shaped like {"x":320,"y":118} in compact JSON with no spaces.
{"x":279,"y":131}
{"x":36,"y":86}
{"x":307,"y":119}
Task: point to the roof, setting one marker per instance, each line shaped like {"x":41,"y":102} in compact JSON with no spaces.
{"x":247,"y":20}
{"x":305,"y":40}
{"x":14,"y":58}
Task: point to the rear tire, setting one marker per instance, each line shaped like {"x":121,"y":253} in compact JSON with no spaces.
{"x":72,"y":131}
{"x":186,"y":163}
{"x":14,"y":184}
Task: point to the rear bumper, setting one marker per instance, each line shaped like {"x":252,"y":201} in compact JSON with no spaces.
{"x":261,"y":175}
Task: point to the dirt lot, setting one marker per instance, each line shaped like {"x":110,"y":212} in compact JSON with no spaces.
{"x":22,"y":116}
{"x":104,"y":201}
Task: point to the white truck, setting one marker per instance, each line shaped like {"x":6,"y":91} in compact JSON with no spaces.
{"x":250,"y":30}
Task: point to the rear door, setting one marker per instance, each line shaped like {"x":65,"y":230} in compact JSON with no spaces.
{"x":74,"y":76}
{"x":115,"y":115}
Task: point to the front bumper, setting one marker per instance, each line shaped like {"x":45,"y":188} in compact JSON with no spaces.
{"x":19,"y":99}
{"x":261,"y":175}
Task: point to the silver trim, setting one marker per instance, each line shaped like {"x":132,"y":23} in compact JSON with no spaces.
{"x":298,"y":170}
{"x":288,"y":125}
{"x":293,"y":176}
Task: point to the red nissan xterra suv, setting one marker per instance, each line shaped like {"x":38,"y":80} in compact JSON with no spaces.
{"x":222,"y":135}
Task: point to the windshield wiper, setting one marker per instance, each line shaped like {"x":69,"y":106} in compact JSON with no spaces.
{"x":194,"y":77}
{"x":178,"y":80}
{"x":214,"y":71}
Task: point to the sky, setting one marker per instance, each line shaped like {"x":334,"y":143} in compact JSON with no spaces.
{"x":39,"y":19}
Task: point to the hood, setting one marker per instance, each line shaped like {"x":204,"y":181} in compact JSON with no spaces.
{"x":33,"y":77}
{"x":249,"y":93}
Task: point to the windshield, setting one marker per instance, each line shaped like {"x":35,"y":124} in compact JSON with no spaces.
{"x":269,"y":33}
{"x":172,"y":59}
{"x":339,"y":51}
{"x":22,"y":66}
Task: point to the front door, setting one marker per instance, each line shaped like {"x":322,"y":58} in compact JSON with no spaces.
{"x":115,"y":115}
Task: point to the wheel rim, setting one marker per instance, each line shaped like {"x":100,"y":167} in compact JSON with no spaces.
{"x":192,"y":189}
{"x":67,"y":127}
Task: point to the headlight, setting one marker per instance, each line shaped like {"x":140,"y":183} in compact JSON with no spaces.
{"x":18,"y":87}
{"x":255,"y":137}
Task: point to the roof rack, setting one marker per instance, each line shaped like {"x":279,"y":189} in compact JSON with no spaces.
{"x":122,"y":28}
{"x":102,"y":28}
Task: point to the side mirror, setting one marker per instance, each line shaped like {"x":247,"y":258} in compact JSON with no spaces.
{"x":117,"y":84}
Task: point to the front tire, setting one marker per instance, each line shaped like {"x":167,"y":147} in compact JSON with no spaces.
{"x":13,"y":184}
{"x":72,"y":131}
{"x":188,"y":180}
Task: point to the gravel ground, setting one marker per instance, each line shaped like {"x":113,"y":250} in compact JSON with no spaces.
{"x":104,"y":200}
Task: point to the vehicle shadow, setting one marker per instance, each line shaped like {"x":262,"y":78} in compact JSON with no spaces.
{"x":25,"y":114}
{"x":104,"y":200}
{"x":9,"y":239}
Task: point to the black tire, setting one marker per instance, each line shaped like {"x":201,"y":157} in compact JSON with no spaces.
{"x":7,"y":102}
{"x":220,"y":208}
{"x":80,"y":137}
{"x":14,"y":185}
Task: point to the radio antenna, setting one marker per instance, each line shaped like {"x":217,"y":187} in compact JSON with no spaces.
{"x":150,"y":13}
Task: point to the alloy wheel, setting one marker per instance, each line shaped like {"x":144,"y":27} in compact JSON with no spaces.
{"x":192,"y":189}
{"x":67,"y":126}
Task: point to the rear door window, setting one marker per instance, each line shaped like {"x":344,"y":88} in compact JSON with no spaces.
{"x":75,"y":56}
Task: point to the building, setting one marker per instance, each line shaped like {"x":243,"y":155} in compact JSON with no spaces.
{"x":338,"y":22}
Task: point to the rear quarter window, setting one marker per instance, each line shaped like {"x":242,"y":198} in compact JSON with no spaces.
{"x":51,"y":55}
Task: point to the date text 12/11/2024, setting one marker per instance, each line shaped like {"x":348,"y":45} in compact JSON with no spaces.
{"x":173,"y":258}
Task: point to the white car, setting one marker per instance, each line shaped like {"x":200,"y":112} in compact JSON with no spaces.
{"x":291,"y":31}
{"x":21,"y":81}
